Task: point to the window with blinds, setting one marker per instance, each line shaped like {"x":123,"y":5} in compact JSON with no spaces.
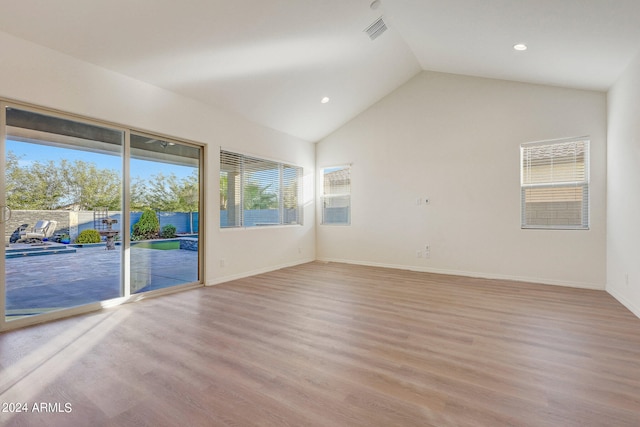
{"x":555,"y":184}
{"x":257,"y":192}
{"x":336,"y":195}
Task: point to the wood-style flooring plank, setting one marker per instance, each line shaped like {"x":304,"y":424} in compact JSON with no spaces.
{"x":335,"y":345}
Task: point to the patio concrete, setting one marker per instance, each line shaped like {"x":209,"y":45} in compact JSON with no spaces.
{"x":41,"y":283}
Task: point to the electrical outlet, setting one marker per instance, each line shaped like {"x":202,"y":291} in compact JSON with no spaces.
{"x":426,"y":200}
{"x":418,"y":254}
{"x":626,"y":279}
{"x":427,"y":251}
{"x":223,"y":262}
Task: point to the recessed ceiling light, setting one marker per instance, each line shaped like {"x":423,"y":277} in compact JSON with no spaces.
{"x":325,"y":100}
{"x":520,"y":46}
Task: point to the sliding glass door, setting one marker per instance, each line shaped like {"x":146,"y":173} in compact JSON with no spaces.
{"x":165,"y":205}
{"x":57,"y":171}
{"x":92,"y":214}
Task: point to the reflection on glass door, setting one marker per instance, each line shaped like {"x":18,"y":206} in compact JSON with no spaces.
{"x":62,"y":180}
{"x":164,"y":206}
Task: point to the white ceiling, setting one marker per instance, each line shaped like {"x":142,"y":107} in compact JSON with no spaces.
{"x":273,"y":60}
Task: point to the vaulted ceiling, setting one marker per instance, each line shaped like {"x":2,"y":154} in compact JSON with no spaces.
{"x":273,"y":61}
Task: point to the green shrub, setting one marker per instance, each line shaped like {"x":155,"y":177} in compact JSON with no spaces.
{"x":88,"y":236}
{"x":168,"y":231}
{"x":147,"y":227}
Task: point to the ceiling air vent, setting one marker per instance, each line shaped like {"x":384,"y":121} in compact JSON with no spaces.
{"x":376,"y":29}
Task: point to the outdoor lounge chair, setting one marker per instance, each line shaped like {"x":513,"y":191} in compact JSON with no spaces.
{"x":39,"y":234}
{"x":38,"y":228}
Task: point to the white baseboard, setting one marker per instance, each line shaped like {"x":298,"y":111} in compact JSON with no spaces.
{"x":624,"y":301}
{"x":593,"y":286}
{"x":250,"y":273}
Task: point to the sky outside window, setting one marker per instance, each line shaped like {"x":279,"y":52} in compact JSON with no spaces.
{"x":29,"y":153}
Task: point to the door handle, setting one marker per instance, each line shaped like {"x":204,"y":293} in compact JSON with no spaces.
{"x":6,"y":214}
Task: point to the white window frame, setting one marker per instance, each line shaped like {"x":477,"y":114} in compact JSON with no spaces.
{"x":240,"y":220}
{"x":339,"y":195}
{"x":561,"y":176}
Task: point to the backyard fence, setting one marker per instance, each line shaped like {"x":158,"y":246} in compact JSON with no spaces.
{"x":257,"y":217}
{"x":73,"y":222}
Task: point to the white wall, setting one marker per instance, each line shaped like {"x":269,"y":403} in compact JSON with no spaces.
{"x":623,"y":189}
{"x":37,"y":75}
{"x":456,"y":140}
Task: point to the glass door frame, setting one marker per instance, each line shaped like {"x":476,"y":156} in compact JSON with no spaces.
{"x":3,"y":221}
{"x":201,"y":214}
{"x":125,"y":262}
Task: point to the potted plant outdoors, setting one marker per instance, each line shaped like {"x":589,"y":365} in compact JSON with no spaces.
{"x":65,"y":238}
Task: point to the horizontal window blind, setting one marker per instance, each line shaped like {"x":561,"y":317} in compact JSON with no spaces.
{"x":336,"y":196}
{"x":258,"y":192}
{"x":555,"y":184}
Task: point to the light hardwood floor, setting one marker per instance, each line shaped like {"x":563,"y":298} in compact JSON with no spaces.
{"x":334,"y":345}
